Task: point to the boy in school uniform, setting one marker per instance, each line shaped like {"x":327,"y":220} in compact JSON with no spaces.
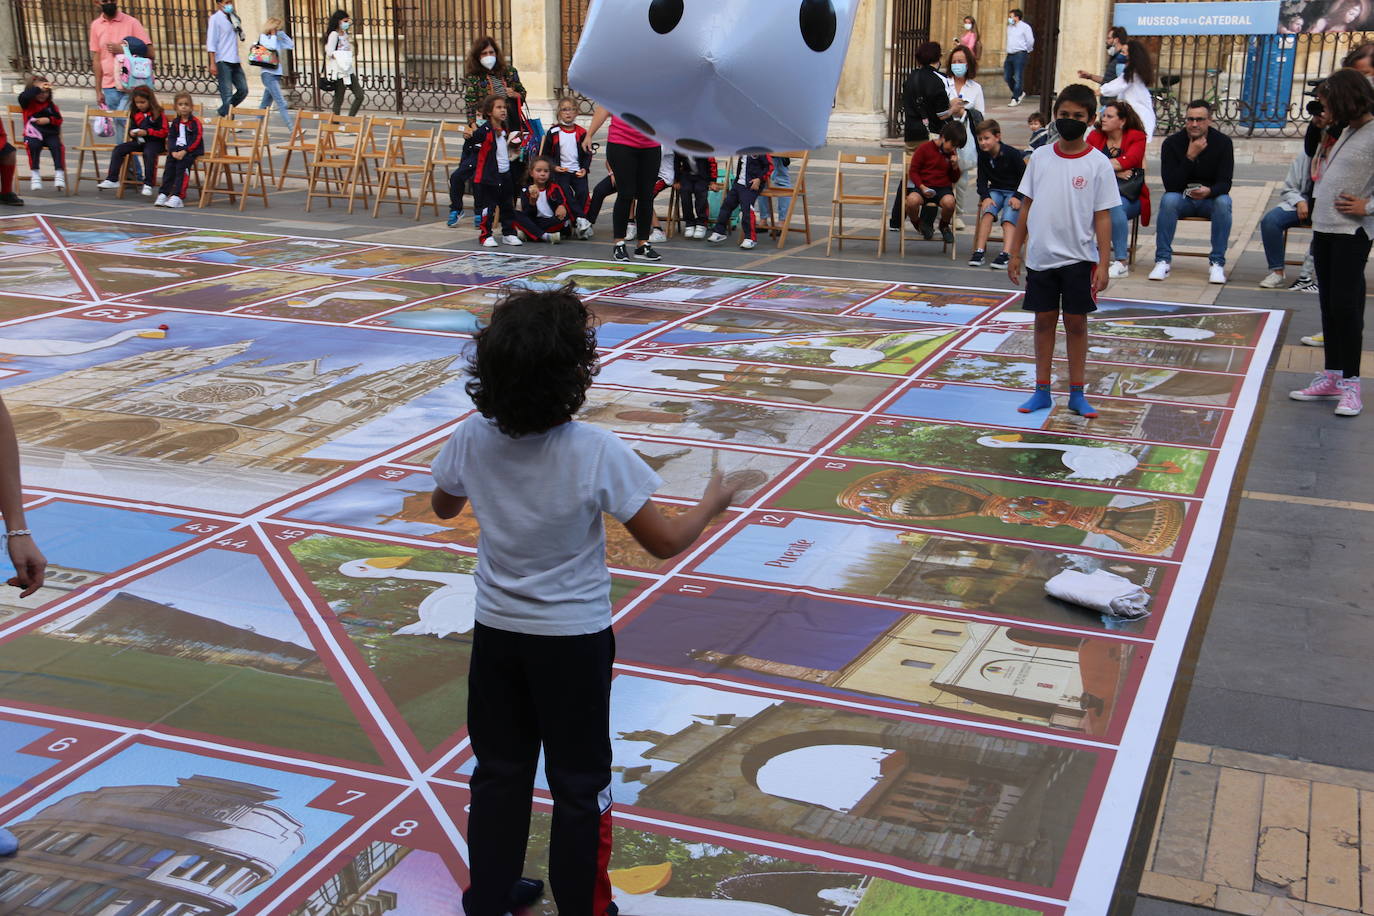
{"x":1066,"y":228}
{"x":1000,"y":168}
{"x":539,"y":483}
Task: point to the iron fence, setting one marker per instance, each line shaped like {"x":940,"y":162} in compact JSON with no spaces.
{"x":572,"y":17}
{"x":1257,"y":84}
{"x":910,"y":29}
{"x":409,"y":57}
{"x":53,"y":38}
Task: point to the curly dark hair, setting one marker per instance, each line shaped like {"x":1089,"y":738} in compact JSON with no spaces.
{"x":1346,"y":94}
{"x":534,"y":361}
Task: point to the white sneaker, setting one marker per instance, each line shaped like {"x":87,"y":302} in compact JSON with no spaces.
{"x":1216,"y":274}
{"x":1161,"y":271}
{"x":174,"y":202}
{"x":1315,"y":340}
{"x":657,"y":235}
{"x":35,"y":182}
{"x":631,"y":230}
{"x":161,"y":201}
{"x":490,"y":242}
{"x":1118,"y":271}
{"x":1013,"y":103}
{"x":511,"y":240}
{"x":702,"y":232}
{"x":582,"y":228}
{"x":748,"y":243}
{"x":553,"y":238}
{"x":959,"y":224}
{"x":1273,"y":280}
{"x":715,"y":237}
{"x":147,"y":190}
{"x":59,"y":180}
{"x":108,"y":185}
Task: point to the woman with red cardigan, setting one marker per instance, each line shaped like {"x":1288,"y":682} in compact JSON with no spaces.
{"x":1120,"y":135}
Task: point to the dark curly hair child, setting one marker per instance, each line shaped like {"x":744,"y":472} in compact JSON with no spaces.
{"x":540,"y":483}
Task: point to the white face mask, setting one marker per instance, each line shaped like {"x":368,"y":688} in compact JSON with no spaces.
{"x":488,"y":61}
{"x":1011,"y":20}
{"x":968,"y":26}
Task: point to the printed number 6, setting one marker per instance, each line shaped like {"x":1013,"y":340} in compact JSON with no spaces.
{"x":61,"y":744}
{"x":404,"y":828}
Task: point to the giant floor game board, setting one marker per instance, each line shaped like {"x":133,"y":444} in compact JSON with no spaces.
{"x":242,"y":689}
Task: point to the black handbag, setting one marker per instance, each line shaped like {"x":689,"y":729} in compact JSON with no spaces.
{"x":328,"y":83}
{"x":1131,"y":186}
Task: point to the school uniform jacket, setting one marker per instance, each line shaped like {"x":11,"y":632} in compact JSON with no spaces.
{"x":485,"y":169}
{"x":195,"y":136}
{"x":155,"y":125}
{"x":701,"y":167}
{"x":752,"y":167}
{"x":552,"y":149}
{"x":28,"y":100}
{"x":556,"y":199}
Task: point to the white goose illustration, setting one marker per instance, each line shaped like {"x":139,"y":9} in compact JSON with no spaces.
{"x":19,"y":346}
{"x":357,"y":295}
{"x":450,"y":609}
{"x":1173,"y":332}
{"x":849,"y":357}
{"x":642,"y":899}
{"x":1086,"y":462}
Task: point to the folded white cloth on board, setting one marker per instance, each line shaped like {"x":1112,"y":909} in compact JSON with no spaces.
{"x":1102,"y":591}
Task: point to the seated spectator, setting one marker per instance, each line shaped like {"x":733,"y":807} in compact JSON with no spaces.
{"x":1000,"y":168}
{"x":1040,"y":133}
{"x":1196,"y":165}
{"x":931,"y":178}
{"x":1294,"y":209}
{"x":1122,"y":137}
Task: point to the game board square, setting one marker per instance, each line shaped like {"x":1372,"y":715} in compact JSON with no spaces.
{"x":1149,"y":353}
{"x":183,"y":244}
{"x":455,"y":313}
{"x":114,"y":275}
{"x":42,"y":273}
{"x":588,"y":277}
{"x":189,"y":647}
{"x":371,"y":262}
{"x":479,"y":269}
{"x":8,"y":250}
{"x":33,"y":749}
{"x":1238,"y":329}
{"x":348,"y":301}
{"x":732,"y":325}
{"x":275,"y":253}
{"x":230,"y":290}
{"x":812,"y":294}
{"x":24,"y":230}
{"x":939,"y":305}
{"x":694,"y":286}
{"x":619,"y":321}
{"x":75,"y":231}
{"x":894,"y":353}
{"x":16,"y":306}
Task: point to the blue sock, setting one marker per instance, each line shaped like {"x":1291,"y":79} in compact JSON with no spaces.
{"x":1041,"y":400}
{"x":1079,"y":404}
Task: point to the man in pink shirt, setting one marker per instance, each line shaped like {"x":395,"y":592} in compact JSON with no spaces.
{"x":108,"y":31}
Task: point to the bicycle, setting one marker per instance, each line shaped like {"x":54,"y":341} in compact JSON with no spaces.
{"x":1168,"y":109}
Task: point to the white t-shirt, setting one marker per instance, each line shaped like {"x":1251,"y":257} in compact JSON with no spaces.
{"x":1067,"y":191}
{"x":667,"y":167}
{"x":1136,"y":94}
{"x":541,"y":555}
{"x":568,"y":151}
{"x":502,"y":151}
{"x":541,"y":206}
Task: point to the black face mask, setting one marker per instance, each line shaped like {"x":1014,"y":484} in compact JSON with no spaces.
{"x":109,"y":9}
{"x":1070,"y":129}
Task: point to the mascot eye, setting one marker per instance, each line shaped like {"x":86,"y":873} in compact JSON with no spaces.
{"x":696,"y":146}
{"x":754,"y":151}
{"x":638,"y":123}
{"x":664,"y":15}
{"x":818,"y":24}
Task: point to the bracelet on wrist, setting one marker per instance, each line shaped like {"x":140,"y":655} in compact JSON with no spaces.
{"x":19,"y":533}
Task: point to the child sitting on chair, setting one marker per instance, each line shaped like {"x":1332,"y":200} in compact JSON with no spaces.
{"x":43,"y":129}
{"x":751,"y":177}
{"x":931,"y":178}
{"x":694,"y":177}
{"x":185,"y":143}
{"x":147,"y":138}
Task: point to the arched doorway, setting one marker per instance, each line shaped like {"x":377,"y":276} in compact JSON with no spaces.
{"x":105,"y":434}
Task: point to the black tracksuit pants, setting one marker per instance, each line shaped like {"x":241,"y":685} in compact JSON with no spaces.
{"x":692,"y":200}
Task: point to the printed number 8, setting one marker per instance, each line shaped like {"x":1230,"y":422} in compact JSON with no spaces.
{"x":404,"y":828}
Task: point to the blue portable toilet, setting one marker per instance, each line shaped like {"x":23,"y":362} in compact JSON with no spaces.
{"x":1268,"y":84}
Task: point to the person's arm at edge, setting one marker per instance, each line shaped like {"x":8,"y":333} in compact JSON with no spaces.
{"x":666,"y":537}
{"x":599,"y":116}
{"x":445,"y":504}
{"x":1102,"y":228}
{"x":29,"y":563}
{"x":1018,"y":240}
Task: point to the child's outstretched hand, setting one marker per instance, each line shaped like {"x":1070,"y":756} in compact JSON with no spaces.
{"x":718,"y":496}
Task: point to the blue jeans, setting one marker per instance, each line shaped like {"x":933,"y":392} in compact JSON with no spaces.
{"x":998,"y":203}
{"x":1175,"y":206}
{"x":1121,"y":228}
{"x":1275,"y":223}
{"x":271,"y":92}
{"x":1013,"y":71}
{"x":233,"y":86}
{"x":118,"y":100}
{"x":781,"y":178}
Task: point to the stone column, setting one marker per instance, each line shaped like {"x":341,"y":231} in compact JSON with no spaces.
{"x":1082,"y":39}
{"x":860,"y":100}
{"x":535,"y":52}
{"x":9,"y":43}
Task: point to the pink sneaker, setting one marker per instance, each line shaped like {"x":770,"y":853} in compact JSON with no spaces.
{"x":1351,"y":404}
{"x":1325,"y":386}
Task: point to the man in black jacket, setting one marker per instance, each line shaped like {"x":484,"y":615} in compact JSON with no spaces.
{"x":1196,"y":165}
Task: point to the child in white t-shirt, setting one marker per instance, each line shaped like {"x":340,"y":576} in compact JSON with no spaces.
{"x":1068,"y":194}
{"x":542,"y":647}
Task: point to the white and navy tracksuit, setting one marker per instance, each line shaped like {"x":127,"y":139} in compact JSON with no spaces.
{"x":740,"y":194}
{"x":563,"y":147}
{"x":149,"y":146}
{"x":493,"y":180}
{"x":694,"y":176}
{"x":540,"y":216}
{"x":186,"y":135}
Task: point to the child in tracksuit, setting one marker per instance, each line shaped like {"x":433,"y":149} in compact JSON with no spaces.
{"x":563,"y":149}
{"x":185,"y":144}
{"x":545,"y":210}
{"x":43,"y":129}
{"x":493,"y":177}
{"x":147,"y":138}
{"x":694,"y":177}
{"x":459,"y":178}
{"x":751,"y":177}
{"x":539,"y":482}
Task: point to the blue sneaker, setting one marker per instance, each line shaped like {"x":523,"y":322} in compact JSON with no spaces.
{"x":1041,"y":400}
{"x":1079,"y":404}
{"x":9,"y":843}
{"x":453,"y":217}
{"x":477,"y":220}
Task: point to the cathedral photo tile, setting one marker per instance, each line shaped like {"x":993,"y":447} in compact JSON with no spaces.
{"x":183,"y":244}
{"x":812,"y":294}
{"x":1186,"y":355}
{"x":892,"y":353}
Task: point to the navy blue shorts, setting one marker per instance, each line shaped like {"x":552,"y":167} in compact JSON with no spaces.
{"x":1069,"y":289}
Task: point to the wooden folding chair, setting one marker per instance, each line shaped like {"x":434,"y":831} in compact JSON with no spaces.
{"x":338,"y":170}
{"x":14,"y":127}
{"x":393,"y":169}
{"x":841,"y":197}
{"x":445,"y":154}
{"x":263,"y":116}
{"x":376,"y":137}
{"x":304,"y":137}
{"x":951,"y":247}
{"x":798,"y":190}
{"x":235,"y":153}
{"x":91,"y":143}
